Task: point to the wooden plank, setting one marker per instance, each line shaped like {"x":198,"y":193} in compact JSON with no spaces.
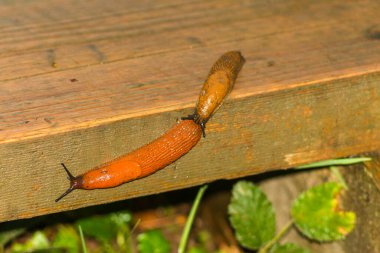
{"x":250,"y":135}
{"x":363,"y":198}
{"x":94,"y":80}
{"x":164,"y":60}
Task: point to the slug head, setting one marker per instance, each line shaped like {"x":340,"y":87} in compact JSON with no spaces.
{"x":197,"y":119}
{"x":75,"y":183}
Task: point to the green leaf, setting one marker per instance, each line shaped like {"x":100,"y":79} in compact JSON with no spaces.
{"x":36,"y":242}
{"x":251,"y":215}
{"x":152,"y":242}
{"x":121,"y":219}
{"x":288,"y":248}
{"x":316,"y":213}
{"x":105,"y":228}
{"x":99,"y":227}
{"x":336,"y":162}
{"x":67,"y":238}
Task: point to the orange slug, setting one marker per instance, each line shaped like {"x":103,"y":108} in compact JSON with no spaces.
{"x":175,"y":143}
{"x":217,"y":86}
{"x":148,"y":159}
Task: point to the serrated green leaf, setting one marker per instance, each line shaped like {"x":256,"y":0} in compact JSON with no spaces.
{"x":316,"y":215}
{"x":251,"y":215}
{"x":152,"y":242}
{"x":288,"y":248}
{"x":67,"y":238}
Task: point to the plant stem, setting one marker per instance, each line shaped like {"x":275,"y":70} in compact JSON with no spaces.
{"x":82,"y":240}
{"x":190,"y":220}
{"x":275,"y":239}
{"x":128,"y":234}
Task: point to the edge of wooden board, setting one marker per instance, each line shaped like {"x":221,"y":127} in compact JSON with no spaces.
{"x":250,"y":135}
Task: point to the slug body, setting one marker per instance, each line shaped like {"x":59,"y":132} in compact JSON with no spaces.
{"x":217,"y":86}
{"x":176,"y":142}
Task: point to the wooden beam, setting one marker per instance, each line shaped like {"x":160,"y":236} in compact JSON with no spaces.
{"x":94,"y":80}
{"x":363,"y":198}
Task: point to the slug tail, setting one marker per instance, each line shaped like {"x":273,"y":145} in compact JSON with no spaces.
{"x":75,"y":183}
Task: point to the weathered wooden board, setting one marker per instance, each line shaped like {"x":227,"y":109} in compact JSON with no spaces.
{"x":83,"y":82}
{"x":363,"y":198}
{"x":132,"y":59}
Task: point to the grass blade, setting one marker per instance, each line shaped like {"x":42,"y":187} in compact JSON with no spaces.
{"x":84,"y":249}
{"x":190,"y":219}
{"x":335,"y":162}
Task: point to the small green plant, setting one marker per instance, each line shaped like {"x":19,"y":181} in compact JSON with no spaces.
{"x":314,"y":213}
{"x":110,"y":232}
{"x":67,"y":238}
{"x":152,"y":242}
{"x":38,"y":241}
{"x":252,"y":215}
{"x":105,"y":229}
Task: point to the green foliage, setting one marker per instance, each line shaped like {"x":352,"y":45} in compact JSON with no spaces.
{"x":251,"y":215}
{"x":197,"y":250}
{"x":37,"y":242}
{"x":67,"y":238}
{"x":99,"y":227}
{"x":121,"y":218}
{"x":8,"y":235}
{"x":152,"y":242}
{"x":288,"y":248}
{"x":202,"y":250}
{"x":104,"y":228}
{"x":315,"y":213}
{"x":108,"y":227}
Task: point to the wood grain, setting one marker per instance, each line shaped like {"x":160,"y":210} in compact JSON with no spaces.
{"x":83,"y":82}
{"x":363,"y":198}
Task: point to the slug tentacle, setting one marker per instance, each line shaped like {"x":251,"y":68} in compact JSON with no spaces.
{"x":75,"y":183}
